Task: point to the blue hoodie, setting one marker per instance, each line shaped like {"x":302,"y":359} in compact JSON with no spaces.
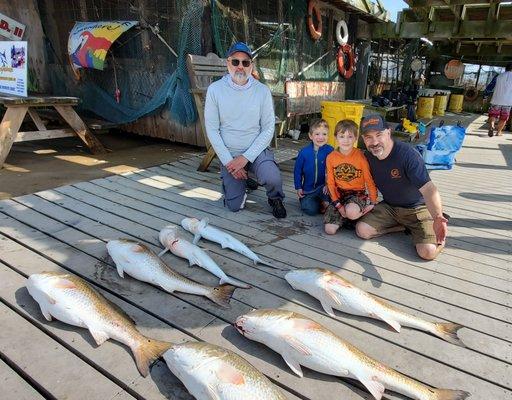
{"x":309,"y":170}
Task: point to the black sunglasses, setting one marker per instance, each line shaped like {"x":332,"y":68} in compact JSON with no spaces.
{"x":236,"y":62}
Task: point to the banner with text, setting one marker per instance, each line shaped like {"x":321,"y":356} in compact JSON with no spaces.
{"x":13,"y":68}
{"x":10,"y":28}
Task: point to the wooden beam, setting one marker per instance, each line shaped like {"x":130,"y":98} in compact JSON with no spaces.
{"x":44,"y":134}
{"x":9,"y":127}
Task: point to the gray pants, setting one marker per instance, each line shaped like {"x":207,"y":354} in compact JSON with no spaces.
{"x":267,"y":174}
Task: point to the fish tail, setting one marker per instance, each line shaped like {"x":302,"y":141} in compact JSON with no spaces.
{"x":448,"y":332}
{"x":147,"y":351}
{"x":221,"y":295}
{"x":234,"y":282}
{"x":448,"y":394}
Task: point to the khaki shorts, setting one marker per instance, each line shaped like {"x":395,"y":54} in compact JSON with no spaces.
{"x":333,"y":216}
{"x":416,"y":219}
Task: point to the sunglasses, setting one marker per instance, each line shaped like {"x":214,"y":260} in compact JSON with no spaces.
{"x":236,"y":62}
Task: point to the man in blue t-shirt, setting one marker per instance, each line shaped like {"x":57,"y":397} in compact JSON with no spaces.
{"x":411,"y":200}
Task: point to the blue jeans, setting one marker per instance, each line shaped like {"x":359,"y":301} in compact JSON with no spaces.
{"x":310,"y":203}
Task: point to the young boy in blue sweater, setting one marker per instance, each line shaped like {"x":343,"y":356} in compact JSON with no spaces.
{"x":309,"y":170}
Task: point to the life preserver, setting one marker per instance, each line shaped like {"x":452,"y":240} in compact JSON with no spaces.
{"x":341,"y":39}
{"x":346,"y":71}
{"x":315,"y":32}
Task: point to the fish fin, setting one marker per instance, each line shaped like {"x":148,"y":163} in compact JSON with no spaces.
{"x":120,"y":270}
{"x":147,"y":351}
{"x":328,"y":309}
{"x":221,"y":295}
{"x":448,"y":394}
{"x":231,"y":375}
{"x":390,"y":321}
{"x":336,"y":280}
{"x":297,"y":345}
{"x":50,"y":299}
{"x":448,"y":332}
{"x":46,"y":314}
{"x":64,"y":283}
{"x":332,"y":295}
{"x":197,"y":237}
{"x":163,"y":252}
{"x":305,"y":324}
{"x":375,"y":387}
{"x":212,"y":392}
{"x":99,"y":336}
{"x":234,"y":282}
{"x":137,"y":248}
{"x":203,"y":223}
{"x":293,"y":364}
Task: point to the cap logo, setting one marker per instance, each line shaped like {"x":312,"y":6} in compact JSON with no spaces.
{"x":371,"y":121}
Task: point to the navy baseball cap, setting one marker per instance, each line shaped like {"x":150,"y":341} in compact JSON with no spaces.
{"x":239,"y":46}
{"x":373,"y":122}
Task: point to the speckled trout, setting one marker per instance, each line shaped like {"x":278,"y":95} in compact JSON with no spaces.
{"x":203,"y":229}
{"x":194,"y":254}
{"x":333,"y":291}
{"x":71,"y":300}
{"x":138,"y":261}
{"x":211,"y":372}
{"x":301,"y":341}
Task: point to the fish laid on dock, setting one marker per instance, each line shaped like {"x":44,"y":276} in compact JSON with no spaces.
{"x":194,"y":254}
{"x":211,"y":372}
{"x":203,"y":229}
{"x":333,"y":291}
{"x":301,"y":341}
{"x":71,"y":300}
{"x":138,"y":261}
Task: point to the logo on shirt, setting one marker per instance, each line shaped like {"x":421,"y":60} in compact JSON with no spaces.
{"x":395,"y":173}
{"x":347,"y":172}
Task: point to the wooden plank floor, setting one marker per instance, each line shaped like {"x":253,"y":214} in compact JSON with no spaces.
{"x":65,"y":229}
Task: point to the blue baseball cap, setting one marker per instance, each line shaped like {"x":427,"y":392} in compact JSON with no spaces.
{"x":239,"y":46}
{"x":373,"y":122}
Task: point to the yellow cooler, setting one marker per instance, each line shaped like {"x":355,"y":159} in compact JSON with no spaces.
{"x":335,"y":111}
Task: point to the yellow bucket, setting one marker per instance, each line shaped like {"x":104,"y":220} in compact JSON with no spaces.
{"x":425,"y":107}
{"x":335,"y":111}
{"x":440,"y":103}
{"x":456,"y":101}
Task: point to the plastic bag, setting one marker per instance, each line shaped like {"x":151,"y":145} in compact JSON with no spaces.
{"x":444,"y":143}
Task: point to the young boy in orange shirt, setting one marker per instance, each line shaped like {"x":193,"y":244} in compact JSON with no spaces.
{"x":349,"y":180}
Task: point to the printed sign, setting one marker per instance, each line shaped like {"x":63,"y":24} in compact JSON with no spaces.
{"x":89,"y":42}
{"x":10,"y":28}
{"x":13,"y":68}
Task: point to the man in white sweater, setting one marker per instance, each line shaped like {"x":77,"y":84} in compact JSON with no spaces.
{"x":240,"y":121}
{"x":501,"y":102}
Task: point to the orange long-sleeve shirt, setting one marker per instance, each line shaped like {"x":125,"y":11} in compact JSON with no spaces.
{"x":349,"y":172}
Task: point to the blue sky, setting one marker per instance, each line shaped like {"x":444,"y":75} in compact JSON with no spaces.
{"x":393,"y":6}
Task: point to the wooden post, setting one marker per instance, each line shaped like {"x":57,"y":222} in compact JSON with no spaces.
{"x":9,"y":128}
{"x":72,"y":118}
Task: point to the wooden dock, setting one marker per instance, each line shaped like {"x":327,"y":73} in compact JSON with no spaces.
{"x":65,"y":229}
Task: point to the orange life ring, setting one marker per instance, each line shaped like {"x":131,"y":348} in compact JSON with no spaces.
{"x":315,"y":32}
{"x":346,"y":71}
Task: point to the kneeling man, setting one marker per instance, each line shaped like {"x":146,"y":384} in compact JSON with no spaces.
{"x":411,"y":200}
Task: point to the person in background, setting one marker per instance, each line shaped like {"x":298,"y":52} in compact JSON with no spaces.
{"x":240,"y":121}
{"x":410,"y":198}
{"x":349,"y":180}
{"x":309,"y":170}
{"x":501,"y":101}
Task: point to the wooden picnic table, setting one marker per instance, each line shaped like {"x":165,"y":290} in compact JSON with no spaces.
{"x":18,"y":107}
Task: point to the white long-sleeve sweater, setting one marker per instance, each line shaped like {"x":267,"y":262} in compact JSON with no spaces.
{"x":239,"y":122}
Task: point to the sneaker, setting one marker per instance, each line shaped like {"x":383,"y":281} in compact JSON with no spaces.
{"x":278,"y":209}
{"x":251,"y":184}
{"x":242,"y":206}
{"x":490,"y":133}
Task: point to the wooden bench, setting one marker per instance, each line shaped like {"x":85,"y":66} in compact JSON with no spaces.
{"x":19,"y":107}
{"x":304,"y":97}
{"x":202,"y":71}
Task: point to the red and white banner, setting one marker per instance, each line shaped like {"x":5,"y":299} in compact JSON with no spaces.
{"x":10,"y":28}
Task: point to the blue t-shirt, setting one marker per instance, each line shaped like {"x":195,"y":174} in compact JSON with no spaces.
{"x":399,"y":176}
